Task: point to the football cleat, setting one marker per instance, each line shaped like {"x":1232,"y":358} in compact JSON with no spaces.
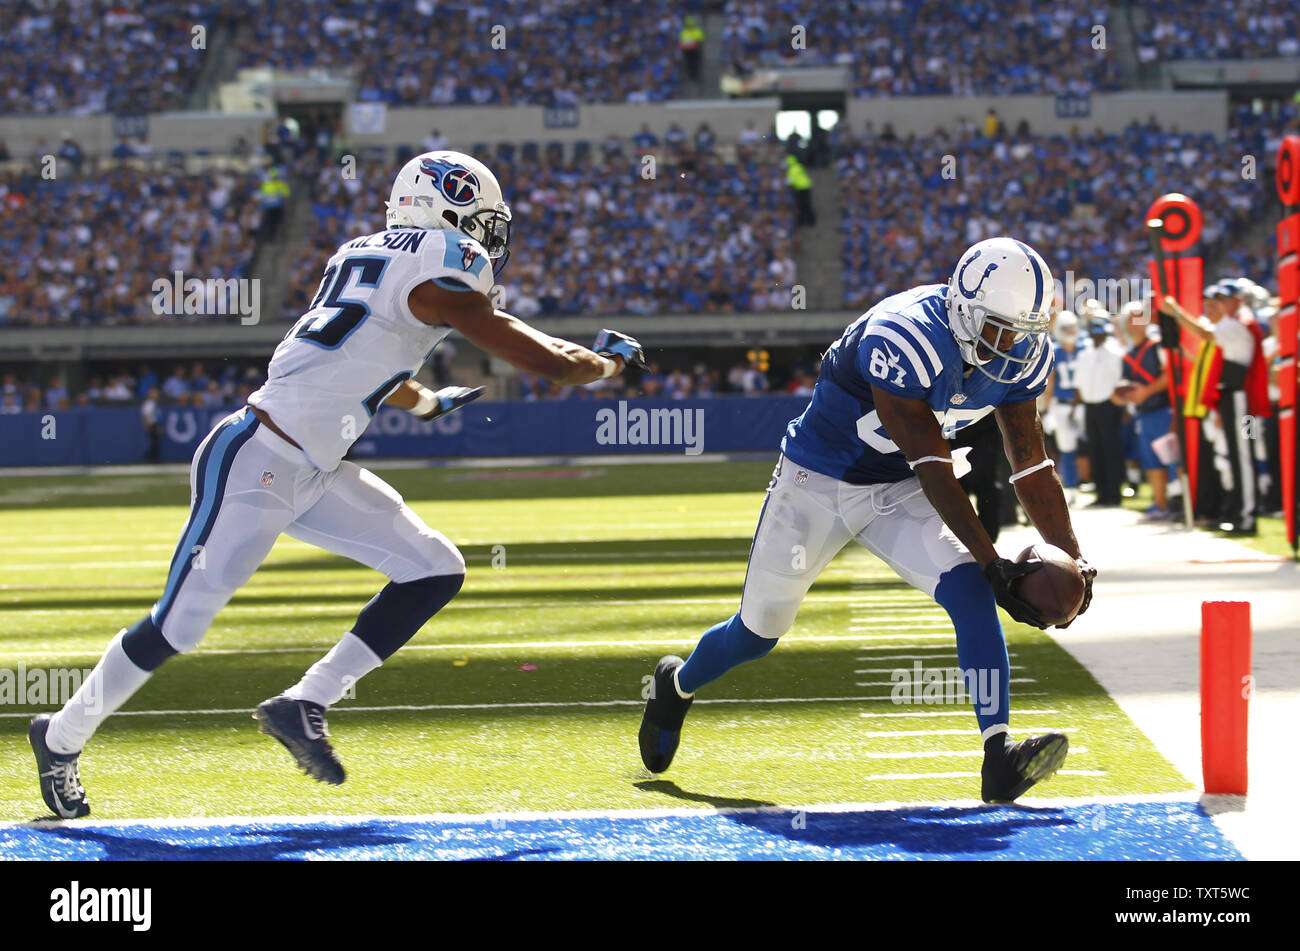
{"x":661,"y":724}
{"x":60,"y":778}
{"x":300,"y":726}
{"x":1009,"y":772}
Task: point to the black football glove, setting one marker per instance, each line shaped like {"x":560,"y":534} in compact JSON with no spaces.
{"x":1088,"y":572}
{"x":452,"y":398}
{"x":1003,"y":575}
{"x":611,"y":343}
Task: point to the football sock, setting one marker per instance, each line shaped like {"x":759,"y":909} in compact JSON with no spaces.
{"x":981,"y":649}
{"x":722,"y":647}
{"x":395,"y":614}
{"x":334,"y":674}
{"x":115,"y":678}
{"x":389,"y":620}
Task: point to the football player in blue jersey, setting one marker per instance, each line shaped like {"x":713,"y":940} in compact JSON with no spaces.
{"x":869,"y":461}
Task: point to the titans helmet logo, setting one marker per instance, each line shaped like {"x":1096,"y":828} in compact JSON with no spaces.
{"x":457,"y":183}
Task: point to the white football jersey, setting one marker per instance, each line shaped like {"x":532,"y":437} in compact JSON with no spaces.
{"x":359,"y":341}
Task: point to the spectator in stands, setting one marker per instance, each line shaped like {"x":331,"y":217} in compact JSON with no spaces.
{"x":754,"y":381}
{"x":645,"y":140}
{"x":176,"y":387}
{"x":1098,"y":371}
{"x":56,"y":394}
{"x":704,"y":139}
{"x":198,"y":378}
{"x":435,"y":141}
{"x":70,"y":152}
{"x":147,"y":381}
{"x":118,"y":390}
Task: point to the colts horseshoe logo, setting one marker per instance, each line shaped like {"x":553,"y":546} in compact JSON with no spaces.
{"x":970,"y":294}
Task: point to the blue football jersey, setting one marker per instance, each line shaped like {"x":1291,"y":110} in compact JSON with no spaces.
{"x":902,"y":345}
{"x":1065,"y":385}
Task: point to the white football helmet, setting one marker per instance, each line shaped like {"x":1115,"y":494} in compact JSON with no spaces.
{"x":455,"y":192}
{"x":1004,"y":283}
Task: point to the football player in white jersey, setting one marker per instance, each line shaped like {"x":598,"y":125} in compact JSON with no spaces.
{"x":276,"y":466}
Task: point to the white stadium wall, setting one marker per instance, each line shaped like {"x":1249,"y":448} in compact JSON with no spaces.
{"x":1195,"y":111}
{"x":1111,"y":112}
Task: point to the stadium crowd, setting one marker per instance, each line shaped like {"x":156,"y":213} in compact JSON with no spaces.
{"x":197,"y":384}
{"x":704,"y":230}
{"x":547,"y":52}
{"x":913,"y":204}
{"x":927,"y":47}
{"x":1203,"y":29}
{"x":133,"y":56}
{"x":83,"y":250}
{"x":96,"y":56}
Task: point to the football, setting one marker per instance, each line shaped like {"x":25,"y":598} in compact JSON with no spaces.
{"x":1056,"y":591}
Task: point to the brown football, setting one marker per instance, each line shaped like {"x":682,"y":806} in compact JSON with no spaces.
{"x":1056,"y":589}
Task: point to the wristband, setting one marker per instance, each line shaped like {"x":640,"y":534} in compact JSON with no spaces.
{"x":1045,"y":464}
{"x":610,"y":368}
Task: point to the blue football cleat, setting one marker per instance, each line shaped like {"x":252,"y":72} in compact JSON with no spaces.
{"x":60,"y":777}
{"x":300,"y":726}
{"x":1009,"y":772}
{"x":661,"y":724}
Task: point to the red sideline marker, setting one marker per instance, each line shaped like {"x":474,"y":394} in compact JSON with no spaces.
{"x":1226,"y":688}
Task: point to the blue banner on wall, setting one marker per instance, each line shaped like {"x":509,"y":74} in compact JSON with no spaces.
{"x":574,"y":427}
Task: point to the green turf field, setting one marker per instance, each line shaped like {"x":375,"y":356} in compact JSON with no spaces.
{"x":525,"y":693}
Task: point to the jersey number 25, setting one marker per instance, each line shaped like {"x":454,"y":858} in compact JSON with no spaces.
{"x":341,"y":315}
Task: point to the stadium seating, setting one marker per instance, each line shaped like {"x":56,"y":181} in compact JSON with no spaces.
{"x":485,"y":52}
{"x":1073,"y":198}
{"x":86,"y":250}
{"x":927,"y":47}
{"x":92,"y":56}
{"x":1199,"y":29}
{"x":731,"y":219}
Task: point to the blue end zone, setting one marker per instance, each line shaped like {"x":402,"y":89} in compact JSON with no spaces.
{"x":1113,"y":831}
